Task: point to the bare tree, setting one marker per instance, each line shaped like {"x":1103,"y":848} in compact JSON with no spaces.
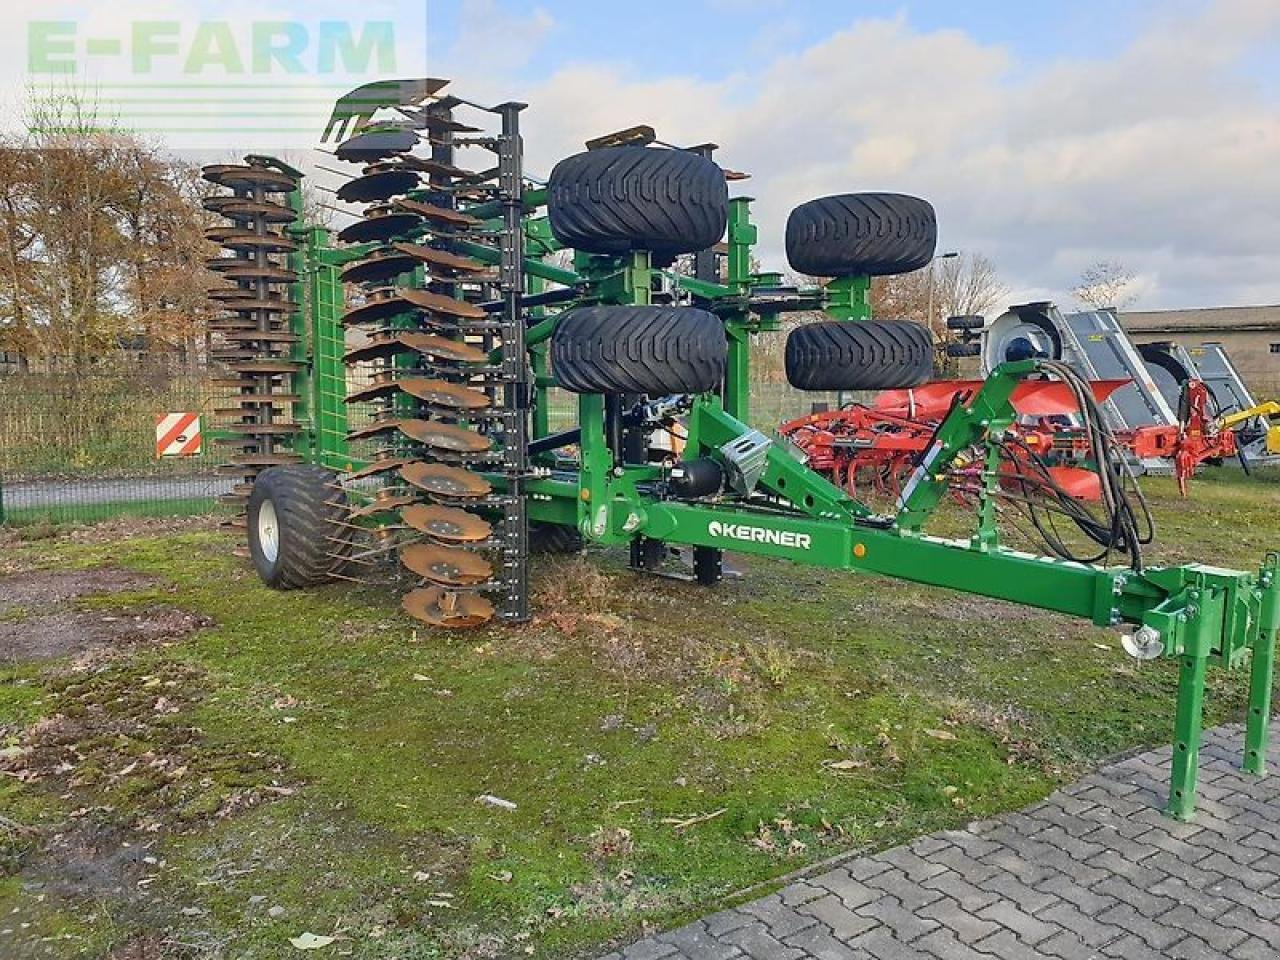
{"x":967,"y":284}
{"x":102,"y":239}
{"x":1106,"y":283}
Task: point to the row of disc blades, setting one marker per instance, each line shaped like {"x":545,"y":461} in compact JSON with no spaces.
{"x":255,"y":342}
{"x":420,"y":349}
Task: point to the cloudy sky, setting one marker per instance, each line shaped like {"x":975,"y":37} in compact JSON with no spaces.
{"x":1049,"y":135}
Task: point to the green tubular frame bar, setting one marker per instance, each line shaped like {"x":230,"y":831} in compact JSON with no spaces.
{"x":1200,"y":615}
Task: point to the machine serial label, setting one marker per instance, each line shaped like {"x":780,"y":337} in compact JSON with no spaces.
{"x":740,"y":531}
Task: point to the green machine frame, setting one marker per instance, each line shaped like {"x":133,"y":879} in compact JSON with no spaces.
{"x":1198,"y":614}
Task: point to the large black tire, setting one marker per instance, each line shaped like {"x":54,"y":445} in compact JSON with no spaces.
{"x":311,"y":540}
{"x":868,"y":355}
{"x":636,"y":198}
{"x":655,"y":350}
{"x":861,"y":233}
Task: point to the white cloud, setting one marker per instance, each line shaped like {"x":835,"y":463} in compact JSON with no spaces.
{"x":1163,"y":156}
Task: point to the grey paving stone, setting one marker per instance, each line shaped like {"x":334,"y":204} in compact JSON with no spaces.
{"x":695,"y":941}
{"x":1027,"y":927}
{"x":757,"y":943}
{"x":778,"y":917}
{"x":1094,"y":871}
{"x":832,"y":913}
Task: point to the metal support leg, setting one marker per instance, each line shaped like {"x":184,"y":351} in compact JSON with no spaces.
{"x":1259,"y":719}
{"x":1186,"y":732}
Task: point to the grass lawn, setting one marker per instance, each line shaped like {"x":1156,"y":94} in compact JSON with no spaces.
{"x":198,"y":767}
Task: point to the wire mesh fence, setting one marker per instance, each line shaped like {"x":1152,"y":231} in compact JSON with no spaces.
{"x":80,"y":446}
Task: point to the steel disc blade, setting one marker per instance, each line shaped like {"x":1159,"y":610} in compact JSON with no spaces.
{"x":442,"y":393}
{"x":377,"y":144}
{"x":440,"y":259}
{"x":234,"y":239}
{"x":379,"y":467}
{"x":379,"y":228}
{"x":380,"y":505}
{"x":447,"y":524}
{"x":244,"y":210}
{"x":434,"y":214}
{"x":269,"y":272}
{"x":380,"y":185}
{"x":381,"y":266}
{"x":374,"y":429}
{"x":445,"y":436}
{"x":236,"y":176}
{"x":439,"y":303}
{"x":447,"y":566}
{"x":446,"y":608}
{"x":446,"y":481}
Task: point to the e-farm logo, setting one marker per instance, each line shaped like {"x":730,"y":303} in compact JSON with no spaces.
{"x":214,"y":48}
{"x":203,"y":83}
{"x":751,"y":534}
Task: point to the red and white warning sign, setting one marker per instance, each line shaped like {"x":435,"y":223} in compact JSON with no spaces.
{"x":178,"y":435}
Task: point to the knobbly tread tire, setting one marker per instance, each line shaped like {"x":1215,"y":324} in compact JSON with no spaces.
{"x":551,"y":538}
{"x":969,"y":321}
{"x":311,"y":514}
{"x":880,"y":234}
{"x":853,"y":355}
{"x":654,"y":350}
{"x":616,"y":199}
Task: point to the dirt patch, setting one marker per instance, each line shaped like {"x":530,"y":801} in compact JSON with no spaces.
{"x":86,"y":633}
{"x":92,"y":858}
{"x":44,"y":588}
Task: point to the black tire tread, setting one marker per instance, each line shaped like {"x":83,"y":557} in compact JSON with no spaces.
{"x":655,"y":350}
{"x":616,"y":199}
{"x":311,"y":515}
{"x":551,"y":538}
{"x":880,"y":234}
{"x":852,"y":355}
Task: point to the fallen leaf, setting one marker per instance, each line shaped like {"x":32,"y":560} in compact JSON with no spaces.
{"x":311,"y":941}
{"x":940,"y":734}
{"x":843,"y":765}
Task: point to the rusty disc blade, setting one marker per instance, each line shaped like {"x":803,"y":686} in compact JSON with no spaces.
{"x":378,"y":185}
{"x":437,"y":169}
{"x":374,"y":429}
{"x":379,"y":304}
{"x":445,"y":436}
{"x":441,"y":259}
{"x":447,"y":523}
{"x":234,"y":239}
{"x":447,"y":566}
{"x":381,"y":266}
{"x":379,"y":505}
{"x":245,"y":210}
{"x":222,"y":294}
{"x":379,"y":467}
{"x":234,"y":175}
{"x":447,"y":608}
{"x":391,"y":343}
{"x":439,"y":303}
{"x":384,"y":227}
{"x":269,"y":272}
{"x":429,"y":211}
{"x":442,"y":393}
{"x":265,"y":304}
{"x":446,"y":481}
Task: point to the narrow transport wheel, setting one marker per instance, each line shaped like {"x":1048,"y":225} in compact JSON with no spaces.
{"x":852,"y":355}
{"x":861,"y":233}
{"x":617,"y":199}
{"x":655,"y":350}
{"x":298,"y":535}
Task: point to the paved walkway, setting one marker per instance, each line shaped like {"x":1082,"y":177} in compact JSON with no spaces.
{"x":1095,"y":871}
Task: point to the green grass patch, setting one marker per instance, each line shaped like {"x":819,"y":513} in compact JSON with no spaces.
{"x":665,"y":746}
